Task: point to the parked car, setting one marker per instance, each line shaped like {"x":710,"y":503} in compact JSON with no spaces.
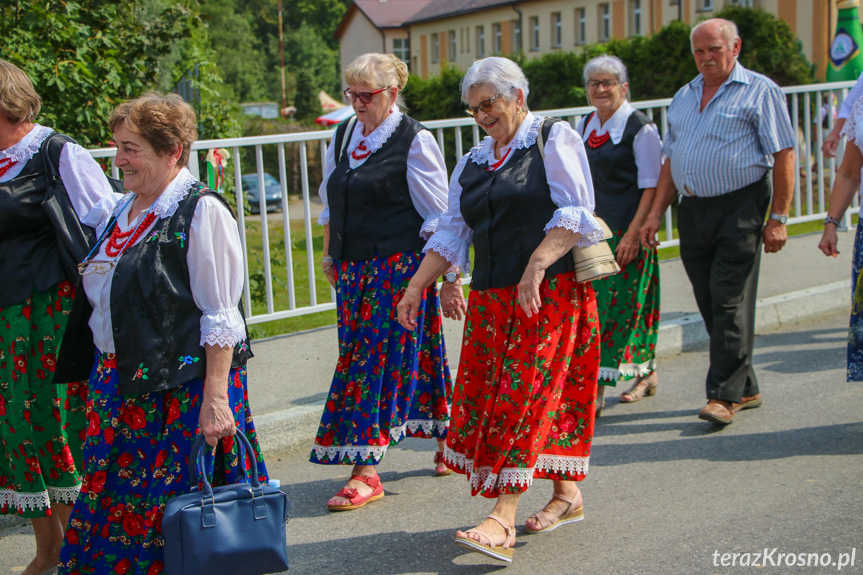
{"x":272,"y":193}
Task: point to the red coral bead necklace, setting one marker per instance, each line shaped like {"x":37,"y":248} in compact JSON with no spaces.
{"x":114,"y":248}
{"x":6,"y":165}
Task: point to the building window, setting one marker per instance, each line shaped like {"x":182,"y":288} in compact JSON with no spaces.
{"x":435,"y":49}
{"x":534,"y":33}
{"x":402,"y":49}
{"x":747,"y":3}
{"x":495,"y":39}
{"x":516,"y":36}
{"x":635,"y":17}
{"x":705,"y":5}
{"x":452,"y":47}
{"x":604,"y":22}
{"x":580,"y":26}
{"x":556,"y":30}
{"x":480,"y":41}
{"x":467,"y":39}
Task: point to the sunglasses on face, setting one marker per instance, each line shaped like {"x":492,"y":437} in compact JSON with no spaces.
{"x":607,"y":84}
{"x":364,"y":97}
{"x":486,"y":106}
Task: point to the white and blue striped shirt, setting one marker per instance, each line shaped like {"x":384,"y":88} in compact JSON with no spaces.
{"x":729,"y":144}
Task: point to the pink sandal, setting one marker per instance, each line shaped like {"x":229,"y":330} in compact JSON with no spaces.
{"x":357,"y":500}
{"x":502,"y":551}
{"x":548,"y":522}
{"x":440,"y":467}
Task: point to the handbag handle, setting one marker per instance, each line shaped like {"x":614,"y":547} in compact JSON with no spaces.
{"x":198,"y":454}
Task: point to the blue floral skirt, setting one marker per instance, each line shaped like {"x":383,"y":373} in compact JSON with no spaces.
{"x":855,"y":330}
{"x":135,"y":459}
{"x":389,"y":382}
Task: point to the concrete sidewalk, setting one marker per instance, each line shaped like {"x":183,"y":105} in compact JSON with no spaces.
{"x":290,"y":375}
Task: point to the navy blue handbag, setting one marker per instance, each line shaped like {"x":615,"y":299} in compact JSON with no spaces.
{"x":237,"y":529}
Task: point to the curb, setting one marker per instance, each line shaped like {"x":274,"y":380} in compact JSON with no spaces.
{"x":295,"y":428}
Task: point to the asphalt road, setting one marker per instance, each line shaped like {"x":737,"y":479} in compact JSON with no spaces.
{"x":666,"y":493}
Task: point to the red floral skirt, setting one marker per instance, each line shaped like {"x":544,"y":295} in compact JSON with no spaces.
{"x":523,"y":402}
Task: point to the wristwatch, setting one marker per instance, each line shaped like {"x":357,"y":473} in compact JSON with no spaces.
{"x":450,"y":277}
{"x":779,"y":218}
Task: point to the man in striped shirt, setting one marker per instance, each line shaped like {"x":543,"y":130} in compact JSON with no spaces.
{"x":726,"y":129}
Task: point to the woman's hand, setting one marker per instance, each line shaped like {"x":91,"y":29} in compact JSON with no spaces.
{"x":329,"y":270}
{"x":409,"y":307}
{"x":528,"y":288}
{"x":452,"y":301}
{"x":628,"y":248}
{"x":217,"y":419}
{"x":829,"y":241}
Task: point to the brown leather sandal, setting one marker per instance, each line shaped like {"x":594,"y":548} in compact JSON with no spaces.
{"x":637,"y":393}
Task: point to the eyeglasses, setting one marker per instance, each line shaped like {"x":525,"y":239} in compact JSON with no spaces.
{"x":100,"y":267}
{"x":607,"y":84}
{"x":486,"y":106}
{"x":364,"y":97}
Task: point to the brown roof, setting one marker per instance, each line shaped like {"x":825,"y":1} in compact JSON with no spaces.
{"x":448,"y":8}
{"x":382,"y":13}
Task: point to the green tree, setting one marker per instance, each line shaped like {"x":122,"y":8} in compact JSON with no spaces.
{"x":84,"y":58}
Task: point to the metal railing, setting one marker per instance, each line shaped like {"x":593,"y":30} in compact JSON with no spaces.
{"x":814,"y":178}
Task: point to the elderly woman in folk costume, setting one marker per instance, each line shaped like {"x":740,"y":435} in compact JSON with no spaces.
{"x":42,"y":425}
{"x":523,"y":401}
{"x":160,"y":312}
{"x":384,"y":192}
{"x":625,"y":155}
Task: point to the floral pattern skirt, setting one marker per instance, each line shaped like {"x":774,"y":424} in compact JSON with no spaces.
{"x":42,"y":425}
{"x":523,"y":403}
{"x":136,"y":459}
{"x":855,"y":330}
{"x":628,"y":306}
{"x":389,"y":382}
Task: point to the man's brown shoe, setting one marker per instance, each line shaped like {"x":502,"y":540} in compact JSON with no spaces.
{"x":747,"y":403}
{"x":717,"y":411}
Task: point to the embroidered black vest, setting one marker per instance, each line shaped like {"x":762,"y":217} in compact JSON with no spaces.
{"x":371,"y":211}
{"x":507,"y":210}
{"x":29,"y":254}
{"x":615,"y":175}
{"x":157,"y":326}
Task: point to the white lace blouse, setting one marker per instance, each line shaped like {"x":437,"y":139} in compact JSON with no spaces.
{"x":426,"y":171}
{"x":853,"y":129}
{"x":646,"y":147}
{"x":92,"y":197}
{"x":567,"y":174}
{"x":215,"y":260}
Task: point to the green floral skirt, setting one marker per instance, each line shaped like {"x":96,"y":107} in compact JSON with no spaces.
{"x":42,"y":425}
{"x":628,"y":305}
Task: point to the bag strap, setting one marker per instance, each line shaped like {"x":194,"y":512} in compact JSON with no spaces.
{"x":198,"y":454}
{"x":345,"y":136}
{"x":541,"y":135}
{"x":51,"y":149}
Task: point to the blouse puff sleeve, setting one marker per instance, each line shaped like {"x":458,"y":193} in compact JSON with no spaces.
{"x":568,"y":176}
{"x":215,"y":259}
{"x":91,"y":195}
{"x":426,"y":175}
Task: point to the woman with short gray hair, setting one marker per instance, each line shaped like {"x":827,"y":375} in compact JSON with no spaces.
{"x":625,"y":156}
{"x":522,"y":406}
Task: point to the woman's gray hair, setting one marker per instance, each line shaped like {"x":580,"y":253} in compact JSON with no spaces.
{"x":502,"y":74}
{"x":606,"y":64}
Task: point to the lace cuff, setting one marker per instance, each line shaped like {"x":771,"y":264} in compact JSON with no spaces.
{"x":324,"y":218}
{"x":579,"y":220}
{"x":430,"y":226}
{"x":455,"y":250}
{"x":224,"y":328}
